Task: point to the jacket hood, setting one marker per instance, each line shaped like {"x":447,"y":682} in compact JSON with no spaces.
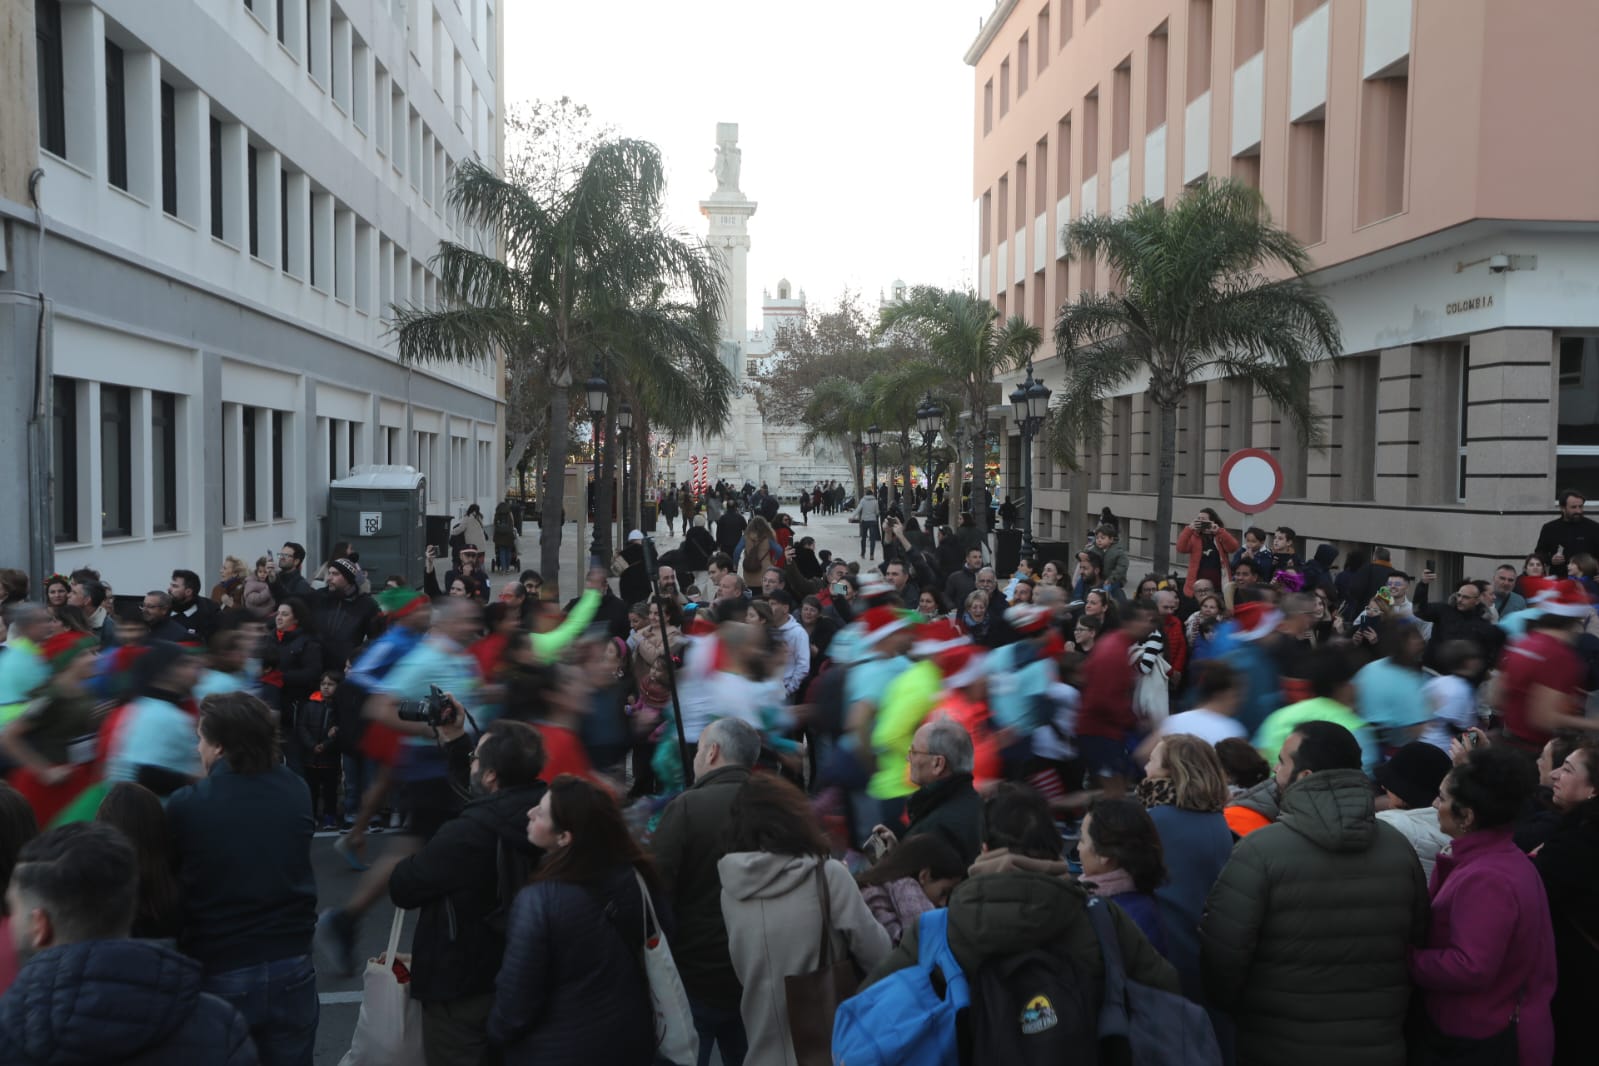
{"x":505,"y":814}
{"x":1332,"y":809}
{"x":998,"y":914}
{"x":763,"y":875}
{"x":98,"y":1001}
{"x":1262,"y":798}
{"x":1326,"y":554}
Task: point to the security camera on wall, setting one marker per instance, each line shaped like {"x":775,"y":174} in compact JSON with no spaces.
{"x":1498,"y":264}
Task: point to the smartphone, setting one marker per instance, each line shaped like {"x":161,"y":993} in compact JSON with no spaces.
{"x":1429,"y":565}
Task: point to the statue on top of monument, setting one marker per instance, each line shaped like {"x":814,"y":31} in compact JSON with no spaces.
{"x":728,"y":157}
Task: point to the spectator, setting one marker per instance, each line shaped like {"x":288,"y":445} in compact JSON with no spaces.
{"x":1208,"y":545}
{"x":1285,"y":551}
{"x":17,"y":827}
{"x":1464,"y":617}
{"x":90,"y":595}
{"x":945,"y":803}
{"x":158,"y":617}
{"x":1107,"y":542}
{"x":343,"y":616}
{"x":463,"y":883}
{"x":571,"y":990}
{"x":1305,"y":936}
{"x":88,"y":993}
{"x":688,"y":843}
{"x":137,"y":811}
{"x":1122,"y":861}
{"x":1542,"y":817}
{"x":963,"y":582}
{"x":1487,"y":972}
{"x":1569,"y":535}
{"x":243,"y":841}
{"x":915,"y":876}
{"x":1256,"y":552}
{"x":1568,"y":862}
{"x":290,"y":577}
{"x":192,"y":611}
{"x":292,"y":669}
{"x":772,"y":899}
{"x":1244,"y":766}
{"x":1410,"y":783}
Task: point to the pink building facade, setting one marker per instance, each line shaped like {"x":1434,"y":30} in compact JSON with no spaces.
{"x":1439,"y":160}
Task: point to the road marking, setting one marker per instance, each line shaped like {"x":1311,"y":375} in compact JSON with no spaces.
{"x":334,"y":999}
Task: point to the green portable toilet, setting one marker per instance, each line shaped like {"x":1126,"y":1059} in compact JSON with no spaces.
{"x":381,"y":511}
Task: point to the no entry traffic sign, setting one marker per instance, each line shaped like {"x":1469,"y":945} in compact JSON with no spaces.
{"x":1251,"y":480}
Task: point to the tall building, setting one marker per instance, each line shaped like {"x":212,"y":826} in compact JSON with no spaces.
{"x":1436,"y":157}
{"x":234,"y":195}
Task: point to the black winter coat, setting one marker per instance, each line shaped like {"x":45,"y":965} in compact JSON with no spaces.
{"x":952,"y":809}
{"x":687,"y":846}
{"x":343,"y":623}
{"x":455,"y":879}
{"x":1569,"y":866}
{"x":299,"y":657}
{"x":118,"y":1003}
{"x":572,"y":990}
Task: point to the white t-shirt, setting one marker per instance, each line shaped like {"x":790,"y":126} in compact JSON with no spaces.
{"x":1205,"y":724}
{"x":1454,"y":709}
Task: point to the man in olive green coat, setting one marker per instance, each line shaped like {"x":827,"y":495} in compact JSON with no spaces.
{"x":1305,"y":934}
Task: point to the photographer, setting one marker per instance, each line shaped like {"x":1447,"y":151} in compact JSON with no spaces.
{"x":1208,"y":545}
{"x":463,"y":881}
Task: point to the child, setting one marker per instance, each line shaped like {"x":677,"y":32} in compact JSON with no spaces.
{"x":1453,"y":699}
{"x":318,"y":735}
{"x":1107,"y":543}
{"x":914,"y":876}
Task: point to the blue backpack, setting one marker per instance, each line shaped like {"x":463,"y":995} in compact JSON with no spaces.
{"x":907,"y":1018}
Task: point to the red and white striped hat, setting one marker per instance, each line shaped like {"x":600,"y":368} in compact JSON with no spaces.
{"x":937,"y":636}
{"x":1564,"y":598}
{"x":881,"y":621}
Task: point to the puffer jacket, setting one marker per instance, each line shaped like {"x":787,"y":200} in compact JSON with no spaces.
{"x":687,"y":846}
{"x":572,"y":990}
{"x":122,"y":1002}
{"x":1305,"y":935}
{"x":455,"y":880}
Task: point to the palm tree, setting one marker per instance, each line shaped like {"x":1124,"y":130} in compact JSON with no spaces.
{"x":840,"y":410}
{"x":969,"y":347}
{"x":577,"y":254}
{"x":1203,"y":296}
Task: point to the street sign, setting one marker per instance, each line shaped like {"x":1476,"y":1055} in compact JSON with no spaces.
{"x":371,"y":523}
{"x":1251,"y":480}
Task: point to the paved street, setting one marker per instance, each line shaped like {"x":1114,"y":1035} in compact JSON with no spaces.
{"x":341,"y":997}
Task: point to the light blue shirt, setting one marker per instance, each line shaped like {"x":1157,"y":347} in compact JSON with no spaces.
{"x":869,"y":680}
{"x":1016,"y":692}
{"x":22,"y":670}
{"x":154,"y":733}
{"x":434,"y":661}
{"x":1391,"y":697}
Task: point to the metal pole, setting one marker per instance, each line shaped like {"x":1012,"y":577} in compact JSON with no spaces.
{"x":1027,"y":486}
{"x":875,"y":480}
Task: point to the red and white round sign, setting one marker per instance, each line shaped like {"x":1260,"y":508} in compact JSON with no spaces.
{"x":1251,"y":480}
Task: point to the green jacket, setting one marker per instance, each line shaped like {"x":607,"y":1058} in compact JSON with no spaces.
{"x":1115,"y":568}
{"x":1018,"y":908}
{"x":1305,"y":934}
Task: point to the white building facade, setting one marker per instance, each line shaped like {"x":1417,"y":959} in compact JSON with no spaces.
{"x":235,"y":193}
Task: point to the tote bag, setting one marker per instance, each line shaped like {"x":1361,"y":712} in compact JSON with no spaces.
{"x":676,"y":1040}
{"x":389,"y":1029}
{"x":813,"y":998}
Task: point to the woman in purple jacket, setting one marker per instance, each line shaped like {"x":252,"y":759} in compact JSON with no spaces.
{"x":1487,"y":973}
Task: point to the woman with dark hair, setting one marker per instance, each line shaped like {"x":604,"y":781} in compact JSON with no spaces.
{"x":916,"y":875}
{"x":17,"y":827}
{"x":776,"y":878}
{"x":56,"y":590}
{"x":137,"y":811}
{"x":1541,"y":817}
{"x":571,"y":989}
{"x":291,"y":665}
{"x":1569,"y":865}
{"x":1534,"y":568}
{"x":1122,"y":860}
{"x":1243,"y":765}
{"x":1487,"y":972}
{"x":930,"y":603}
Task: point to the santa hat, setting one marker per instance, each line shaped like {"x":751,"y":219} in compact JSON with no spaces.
{"x":961,"y":665}
{"x":881,"y":621}
{"x":397,"y":603}
{"x":875,"y":588}
{"x":1255,"y":619}
{"x":1564,"y":598}
{"x":937,"y":636}
{"x":1027,"y":618}
{"x":66,"y":646}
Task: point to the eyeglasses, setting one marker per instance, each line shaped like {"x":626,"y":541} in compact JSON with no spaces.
{"x":916,"y":751}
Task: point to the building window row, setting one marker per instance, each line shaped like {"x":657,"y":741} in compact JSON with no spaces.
{"x":119,"y":447}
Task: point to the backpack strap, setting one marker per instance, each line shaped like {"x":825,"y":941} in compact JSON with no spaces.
{"x":1113,"y":1019}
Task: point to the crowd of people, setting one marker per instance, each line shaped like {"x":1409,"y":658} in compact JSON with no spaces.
{"x":1340,"y":814}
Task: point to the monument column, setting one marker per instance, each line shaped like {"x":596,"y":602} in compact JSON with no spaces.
{"x":729,"y":211}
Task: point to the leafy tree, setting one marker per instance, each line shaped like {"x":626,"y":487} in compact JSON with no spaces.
{"x":1204,"y":296}
{"x":819,"y":347}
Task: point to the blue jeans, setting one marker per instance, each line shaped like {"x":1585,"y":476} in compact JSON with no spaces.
{"x":279,"y":1003}
{"x":723,"y":1027}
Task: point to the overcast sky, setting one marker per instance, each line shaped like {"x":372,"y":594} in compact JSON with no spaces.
{"x":854,"y":118}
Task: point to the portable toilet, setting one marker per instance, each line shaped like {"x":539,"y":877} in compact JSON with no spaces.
{"x":381,"y":511}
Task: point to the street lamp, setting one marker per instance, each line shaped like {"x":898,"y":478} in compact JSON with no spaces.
{"x":624,"y":426}
{"x":874,"y":437}
{"x":599,"y":395}
{"x":929,"y":419}
{"x":1029,"y":405}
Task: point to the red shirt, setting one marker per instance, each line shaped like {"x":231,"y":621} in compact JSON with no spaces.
{"x":1540,"y":659}
{"x":1106,"y":709}
{"x":563,"y":753}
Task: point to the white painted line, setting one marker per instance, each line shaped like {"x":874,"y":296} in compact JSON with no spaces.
{"x":333,"y":999}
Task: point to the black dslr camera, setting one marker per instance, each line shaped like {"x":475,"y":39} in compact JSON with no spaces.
{"x":435,"y":710}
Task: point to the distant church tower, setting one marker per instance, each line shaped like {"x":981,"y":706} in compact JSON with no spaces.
{"x":729,"y":212}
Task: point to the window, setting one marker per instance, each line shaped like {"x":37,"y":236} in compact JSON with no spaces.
{"x":283,"y":218}
{"x":1121,"y":103}
{"x":1089,"y":7}
{"x":277,"y":463}
{"x":164,"y":461}
{"x":1022,"y":72}
{"x":52,"y":86}
{"x":1577,"y":432}
{"x":1199,"y":30}
{"x":116,"y":118}
{"x":1043,"y":38}
{"x":169,"y":149}
{"x":1090,"y":142}
{"x":64,"y":459}
{"x":988,"y":106}
{"x":216,"y":178}
{"x":282,"y":24}
{"x":1384,"y":103}
{"x":1063,"y":162}
{"x":1246,"y":167}
{"x":116,"y":461}
{"x":1065,"y":21}
{"x":1354,"y":435}
{"x":1190,"y":441}
{"x":254,"y":195}
{"x":1249,"y":30}
{"x":1155,"y":81}
{"x":1004,"y":88}
{"x":1307,"y":168}
{"x":1021,"y":194}
{"x":248,"y":415}
{"x":1461,"y":422}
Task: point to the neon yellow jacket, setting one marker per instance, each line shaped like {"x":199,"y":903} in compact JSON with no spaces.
{"x":547,"y":647}
{"x":905,"y":705}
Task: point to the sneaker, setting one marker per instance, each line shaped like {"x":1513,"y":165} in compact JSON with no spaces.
{"x":334,"y":943}
{"x":348,"y":854}
{"x":396,"y":820}
{"x":329,"y":823}
{"x":347,"y":825}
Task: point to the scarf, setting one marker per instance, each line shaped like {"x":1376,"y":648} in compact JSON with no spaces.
{"x":1116,"y":882}
{"x":1157,"y":792}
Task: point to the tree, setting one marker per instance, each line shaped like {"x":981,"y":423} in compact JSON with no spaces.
{"x":967,"y":346}
{"x":820,"y":347}
{"x":579,"y":250}
{"x":1203,"y":295}
{"x":840,"y":409}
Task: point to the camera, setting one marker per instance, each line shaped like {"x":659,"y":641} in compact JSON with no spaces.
{"x":435,"y":710}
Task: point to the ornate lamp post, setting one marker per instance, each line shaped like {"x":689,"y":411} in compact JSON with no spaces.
{"x":599,"y":395}
{"x":929,"y":419}
{"x":624,"y":427}
{"x":874,"y":437}
{"x":1029,"y":405}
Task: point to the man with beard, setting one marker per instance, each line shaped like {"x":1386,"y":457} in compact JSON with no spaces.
{"x":464,"y":880}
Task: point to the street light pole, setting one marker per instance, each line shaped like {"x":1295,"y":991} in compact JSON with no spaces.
{"x":929,"y":419}
{"x":1029,"y":406}
{"x":624,"y":428}
{"x":874,"y":437}
{"x":599,"y":395}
